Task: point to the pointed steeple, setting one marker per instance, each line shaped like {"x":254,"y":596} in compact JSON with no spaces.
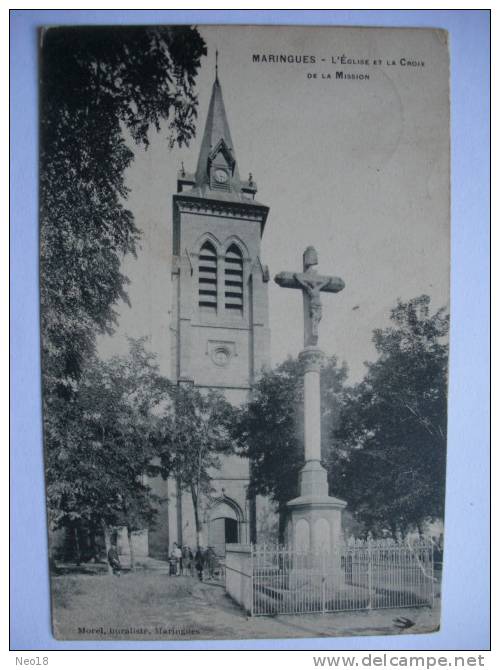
{"x":217,"y":145}
{"x":217,"y":175}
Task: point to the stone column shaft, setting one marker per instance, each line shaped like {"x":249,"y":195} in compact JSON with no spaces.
{"x":312,"y":416}
{"x":311,"y":358}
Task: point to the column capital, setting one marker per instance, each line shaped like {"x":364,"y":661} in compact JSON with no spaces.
{"x":312,"y":358}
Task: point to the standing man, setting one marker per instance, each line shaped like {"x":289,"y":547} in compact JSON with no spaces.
{"x":198,"y":562}
{"x":177,"y":554}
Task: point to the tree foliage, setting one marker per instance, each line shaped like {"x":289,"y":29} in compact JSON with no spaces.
{"x":195,"y":433}
{"x":99,"y":478}
{"x":389,"y":453}
{"x":126,"y":425}
{"x":96,"y":81}
{"x":269,"y":429}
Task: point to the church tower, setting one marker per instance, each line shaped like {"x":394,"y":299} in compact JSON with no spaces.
{"x":219,"y":319}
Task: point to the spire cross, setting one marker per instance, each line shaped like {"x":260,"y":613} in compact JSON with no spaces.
{"x":311,"y":284}
{"x":217,"y":65}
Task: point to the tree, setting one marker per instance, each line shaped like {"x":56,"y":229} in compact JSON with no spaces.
{"x":195,"y":433}
{"x":269,"y":429}
{"x":99,"y":479}
{"x":389,"y":453}
{"x":96,"y":82}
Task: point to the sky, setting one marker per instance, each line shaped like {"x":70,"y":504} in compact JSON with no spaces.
{"x":357,"y":168}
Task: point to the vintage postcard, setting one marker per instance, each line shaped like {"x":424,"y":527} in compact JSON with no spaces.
{"x":244,"y":239}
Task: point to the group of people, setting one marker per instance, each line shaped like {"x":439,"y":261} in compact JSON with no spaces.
{"x":184,"y":562}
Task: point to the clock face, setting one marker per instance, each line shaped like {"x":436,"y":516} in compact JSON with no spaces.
{"x":221,"y":176}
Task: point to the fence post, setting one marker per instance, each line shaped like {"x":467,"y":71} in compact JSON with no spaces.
{"x":252,"y":591}
{"x":370,"y":572}
{"x":431,"y":550}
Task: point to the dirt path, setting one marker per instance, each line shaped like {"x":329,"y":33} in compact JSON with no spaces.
{"x":150,"y":605}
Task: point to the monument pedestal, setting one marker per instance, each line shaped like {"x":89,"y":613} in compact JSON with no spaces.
{"x":315,"y":517}
{"x":315,"y":531}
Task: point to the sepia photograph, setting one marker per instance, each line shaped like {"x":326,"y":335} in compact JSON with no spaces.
{"x":245,"y":310}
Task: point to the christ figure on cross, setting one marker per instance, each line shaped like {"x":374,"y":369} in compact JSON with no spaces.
{"x":311,"y":284}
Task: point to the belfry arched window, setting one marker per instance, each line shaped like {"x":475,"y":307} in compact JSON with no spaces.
{"x":207,"y":278}
{"x":233,"y":280}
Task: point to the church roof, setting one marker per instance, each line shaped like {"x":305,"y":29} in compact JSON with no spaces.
{"x":217,"y":154}
{"x":216,"y":129}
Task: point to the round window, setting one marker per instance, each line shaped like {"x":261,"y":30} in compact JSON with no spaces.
{"x":221,"y":356}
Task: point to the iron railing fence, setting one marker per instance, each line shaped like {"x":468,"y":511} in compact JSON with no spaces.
{"x":361,"y":575}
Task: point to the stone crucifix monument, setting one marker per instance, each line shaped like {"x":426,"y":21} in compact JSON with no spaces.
{"x":315,"y":523}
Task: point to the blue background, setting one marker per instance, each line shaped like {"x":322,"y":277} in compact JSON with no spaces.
{"x":466,"y":588}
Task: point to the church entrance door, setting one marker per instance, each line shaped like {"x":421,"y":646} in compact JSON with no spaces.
{"x":223,"y":527}
{"x":231,"y":530}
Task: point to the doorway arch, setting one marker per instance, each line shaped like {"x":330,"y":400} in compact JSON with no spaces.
{"x":224,"y":524}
